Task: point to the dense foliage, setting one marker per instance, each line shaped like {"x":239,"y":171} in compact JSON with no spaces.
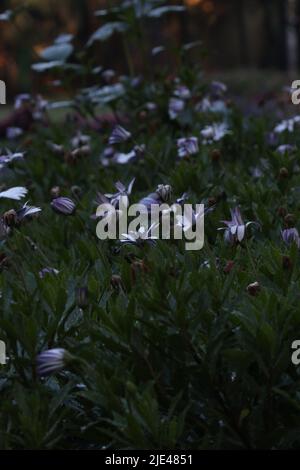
{"x":162,"y":347}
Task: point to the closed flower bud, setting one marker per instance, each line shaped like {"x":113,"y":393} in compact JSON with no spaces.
{"x":254,"y":288}
{"x":116,"y":282}
{"x":10,"y":218}
{"x":51,"y":361}
{"x":55,"y":191}
{"x":164,"y":191}
{"x":291,"y":235}
{"x":118,"y":135}
{"x":138,"y":267}
{"x":63,"y":205}
{"x":289,"y":220}
{"x":283,"y":173}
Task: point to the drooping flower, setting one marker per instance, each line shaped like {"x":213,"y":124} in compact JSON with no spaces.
{"x":176,"y":106}
{"x":187,"y":146}
{"x":235,"y":228}
{"x":15,"y":193}
{"x":118,"y":135}
{"x":20,"y":99}
{"x":45,"y":271}
{"x":141,"y":237}
{"x":152,"y":199}
{"x":162,"y":194}
{"x":108,"y":75}
{"x":291,"y":235}
{"x":26,"y":211}
{"x":14,"y":217}
{"x":124,"y":158}
{"x":215,"y":106}
{"x":107,"y":155}
{"x":140,"y":150}
{"x":286,"y":149}
{"x":150,"y":106}
{"x":80,"y":140}
{"x":190,"y":218}
{"x":40,"y":107}
{"x":50,"y":361}
{"x":182,"y":92}
{"x":57,"y":149}
{"x":13,"y":133}
{"x":63,"y":205}
{"x":78,"y":152}
{"x":214,"y":133}
{"x":9,"y":157}
{"x":114,"y":198}
{"x":287,"y":125}
{"x":6,"y":15}
{"x":218,"y":88}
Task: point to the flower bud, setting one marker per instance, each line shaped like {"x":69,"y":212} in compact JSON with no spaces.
{"x":164,"y":191}
{"x":63,"y":205}
{"x":253,"y":289}
{"x":283,"y":173}
{"x":10,"y":218}
{"x":289,"y":220}
{"x":116,"y":282}
{"x":55,"y":191}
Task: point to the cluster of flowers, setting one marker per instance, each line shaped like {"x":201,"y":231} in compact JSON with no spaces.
{"x":111,"y":155}
{"x":213,"y":102}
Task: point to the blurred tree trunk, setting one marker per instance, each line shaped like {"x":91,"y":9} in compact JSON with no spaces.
{"x":85,"y":13}
{"x":239,"y":6}
{"x":292,"y":39}
{"x":298,"y":28}
{"x":282,"y":34}
{"x":275,"y":25}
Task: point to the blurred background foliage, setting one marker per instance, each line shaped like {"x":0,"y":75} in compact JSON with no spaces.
{"x":239,"y":34}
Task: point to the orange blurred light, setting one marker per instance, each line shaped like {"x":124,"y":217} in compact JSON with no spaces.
{"x":193,"y":3}
{"x":208,"y":7}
